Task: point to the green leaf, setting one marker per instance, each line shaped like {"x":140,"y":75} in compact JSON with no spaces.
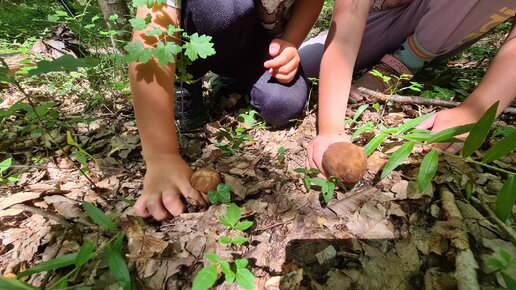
{"x":241,"y":263}
{"x":417,"y":136}
{"x":229,"y":275}
{"x":373,"y":144}
{"x":171,"y":30}
{"x":242,"y":226}
{"x":233,"y":214}
{"x":281,"y":150}
{"x":244,"y":278}
{"x":214,"y":258}
{"x":139,"y":23}
{"x":412,"y":123}
{"x":359,"y":112}
{"x":427,"y":169}
{"x":307,"y":182}
{"x":4,"y":165}
{"x":66,"y":63}
{"x":137,"y":52}
{"x":397,"y":158}
{"x":155,"y":31}
{"x":506,"y":199}
{"x":224,"y":220}
{"x":85,"y":253}
{"x":13,"y":284}
{"x":328,"y":192}
{"x":240,"y":240}
{"x":57,"y":263}
{"x":225,"y":240}
{"x":319,"y":181}
{"x":495,"y":263}
{"x":360,"y":131}
{"x":313,"y":171}
{"x":501,"y":148}
{"x":118,"y":266}
{"x":206,"y":278}
{"x":479,"y":132}
{"x":165,"y":53}
{"x":505,"y":255}
{"x":299,"y":170}
{"x":199,"y":46}
{"x":99,"y":217}
{"x":446,"y":134}
{"x":509,"y":281}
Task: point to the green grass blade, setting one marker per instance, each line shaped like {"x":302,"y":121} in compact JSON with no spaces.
{"x":53,"y":264}
{"x":99,"y":217}
{"x":449,"y":133}
{"x":13,"y":284}
{"x":479,"y":132}
{"x":85,"y":253}
{"x":412,"y":123}
{"x":427,"y":169}
{"x":397,"y":158}
{"x":501,"y":148}
{"x":373,"y":144}
{"x":117,"y":265}
{"x":506,"y":199}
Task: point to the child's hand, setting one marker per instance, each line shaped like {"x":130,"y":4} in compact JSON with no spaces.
{"x":319,"y":145}
{"x":167,"y":178}
{"x":285,"y":60}
{"x":447,"y":119}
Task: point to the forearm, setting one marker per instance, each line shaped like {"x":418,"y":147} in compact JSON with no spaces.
{"x":499,"y":82}
{"x":303,"y":17}
{"x":152,"y":87}
{"x":337,"y":64}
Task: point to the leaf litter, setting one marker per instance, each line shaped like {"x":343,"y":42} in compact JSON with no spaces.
{"x":382,"y":234}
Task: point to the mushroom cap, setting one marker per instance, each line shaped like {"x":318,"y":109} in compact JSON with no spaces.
{"x":205,"y":179}
{"x":345,"y":161}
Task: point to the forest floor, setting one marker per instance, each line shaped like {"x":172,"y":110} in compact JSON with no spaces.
{"x":381,"y":234}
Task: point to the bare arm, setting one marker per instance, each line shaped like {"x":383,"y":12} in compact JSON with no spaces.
{"x":342,"y":44}
{"x":152,"y":86}
{"x":303,"y":17}
{"x":499,"y":82}
{"x":338,"y":61}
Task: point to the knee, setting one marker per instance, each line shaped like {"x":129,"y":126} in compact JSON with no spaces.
{"x":279,"y":103}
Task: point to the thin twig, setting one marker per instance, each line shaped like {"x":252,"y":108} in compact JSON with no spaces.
{"x":42,"y":213}
{"x":418,"y":100}
{"x":492,"y":216}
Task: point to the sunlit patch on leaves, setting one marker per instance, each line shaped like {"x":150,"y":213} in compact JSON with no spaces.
{"x":199,"y":46}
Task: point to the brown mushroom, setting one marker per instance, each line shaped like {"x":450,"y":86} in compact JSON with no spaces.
{"x":205,"y":179}
{"x":345,"y":161}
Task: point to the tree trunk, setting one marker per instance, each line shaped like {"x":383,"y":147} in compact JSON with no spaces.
{"x":121,"y":25}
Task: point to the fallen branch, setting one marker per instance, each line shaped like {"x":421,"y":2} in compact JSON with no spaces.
{"x":418,"y":100}
{"x":465,"y":263}
{"x":501,"y":225}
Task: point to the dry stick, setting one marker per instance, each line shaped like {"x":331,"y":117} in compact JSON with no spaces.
{"x":33,"y":106}
{"x":42,"y":213}
{"x":501,"y":225}
{"x":465,"y":263}
{"x":418,"y":100}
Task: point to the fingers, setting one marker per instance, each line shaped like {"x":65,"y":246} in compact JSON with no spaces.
{"x":173,"y":203}
{"x":310,"y":161}
{"x":156,"y":207}
{"x":428,"y":123}
{"x":454,"y":148}
{"x":274,"y":48}
{"x":193,"y":196}
{"x":140,"y":208}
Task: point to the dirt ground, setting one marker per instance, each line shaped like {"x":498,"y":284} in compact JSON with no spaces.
{"x":381,"y":234}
